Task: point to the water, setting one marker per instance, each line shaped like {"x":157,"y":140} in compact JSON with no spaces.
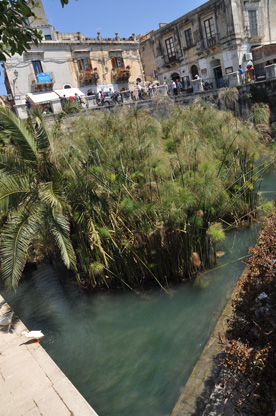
{"x":130,"y":355}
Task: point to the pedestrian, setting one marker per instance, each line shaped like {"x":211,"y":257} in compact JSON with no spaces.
{"x":63,"y":100}
{"x":101,"y":97}
{"x":115,"y":97}
{"x":241,"y":74}
{"x":111,"y":93}
{"x":150,"y":90}
{"x":139,"y":89}
{"x":28,"y":103}
{"x":178,"y":86}
{"x":173,"y":87}
{"x":250,"y":69}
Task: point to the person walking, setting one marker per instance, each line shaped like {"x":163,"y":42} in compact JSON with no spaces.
{"x":250,"y":69}
{"x":173,"y":87}
{"x":178,"y":86}
{"x":63,"y":100}
{"x":241,"y":74}
{"x":139,"y":89}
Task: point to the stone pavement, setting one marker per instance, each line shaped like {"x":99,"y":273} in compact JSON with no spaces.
{"x":31,"y":384}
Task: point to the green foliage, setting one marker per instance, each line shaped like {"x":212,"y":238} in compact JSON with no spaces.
{"x":215,"y":233}
{"x":267,"y":207}
{"x":259,"y":114}
{"x":31,"y":197}
{"x":16,"y":35}
{"x":127,"y":198}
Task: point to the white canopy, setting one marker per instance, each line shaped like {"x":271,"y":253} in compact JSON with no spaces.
{"x":43,"y":97}
{"x":68,"y":92}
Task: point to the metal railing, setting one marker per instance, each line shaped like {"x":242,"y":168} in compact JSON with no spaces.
{"x":120,"y":74}
{"x":37,"y":85}
{"x":88,"y":77}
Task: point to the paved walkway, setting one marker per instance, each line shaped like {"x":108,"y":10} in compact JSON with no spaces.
{"x":31,"y":384}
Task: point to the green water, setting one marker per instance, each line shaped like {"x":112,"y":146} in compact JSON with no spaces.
{"x":130,"y":355}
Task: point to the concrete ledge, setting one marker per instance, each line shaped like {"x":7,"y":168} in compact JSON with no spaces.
{"x":31,"y":384}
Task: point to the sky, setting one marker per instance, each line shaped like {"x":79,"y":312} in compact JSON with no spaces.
{"x":110,"y":16}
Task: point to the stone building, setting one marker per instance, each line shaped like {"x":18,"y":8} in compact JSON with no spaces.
{"x":69,"y":63}
{"x":211,"y":41}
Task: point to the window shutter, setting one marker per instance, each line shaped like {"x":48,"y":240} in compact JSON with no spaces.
{"x":113,"y":62}
{"x":122,"y":63}
{"x":79,"y":64}
{"x":89,"y":63}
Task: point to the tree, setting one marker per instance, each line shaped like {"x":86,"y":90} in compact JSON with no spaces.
{"x":15,"y":33}
{"x":33,"y":204}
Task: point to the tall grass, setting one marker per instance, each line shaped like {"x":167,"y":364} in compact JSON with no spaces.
{"x":145,"y":193}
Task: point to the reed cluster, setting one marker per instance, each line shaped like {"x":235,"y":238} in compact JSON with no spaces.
{"x":125,"y":199}
{"x":149,"y":193}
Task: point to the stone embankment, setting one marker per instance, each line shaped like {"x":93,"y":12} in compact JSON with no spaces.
{"x":31,"y":384}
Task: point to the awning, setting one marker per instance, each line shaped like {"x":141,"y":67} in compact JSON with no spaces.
{"x":68,"y":92}
{"x":43,"y":97}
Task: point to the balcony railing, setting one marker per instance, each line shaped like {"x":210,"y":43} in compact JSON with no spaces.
{"x":121,"y":75}
{"x":88,"y":77}
{"x":40,"y":83}
{"x":208,"y":43}
{"x":211,"y":42}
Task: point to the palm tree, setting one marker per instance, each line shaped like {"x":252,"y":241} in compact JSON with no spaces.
{"x":33,"y":203}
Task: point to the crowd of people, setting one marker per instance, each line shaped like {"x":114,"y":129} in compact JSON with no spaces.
{"x":174,"y":88}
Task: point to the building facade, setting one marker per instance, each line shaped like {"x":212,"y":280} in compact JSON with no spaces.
{"x":210,"y":41}
{"x":64,"y":63}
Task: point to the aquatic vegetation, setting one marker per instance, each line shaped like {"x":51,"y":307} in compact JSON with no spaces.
{"x":138,"y":194}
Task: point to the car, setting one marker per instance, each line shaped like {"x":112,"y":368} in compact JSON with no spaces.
{"x":108,"y":100}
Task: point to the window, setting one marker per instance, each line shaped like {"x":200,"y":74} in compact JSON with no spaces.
{"x":188,"y":37}
{"x":48,"y":37}
{"x":117,"y":62}
{"x":170,"y":49}
{"x":37,"y":67}
{"x":84,"y":64}
{"x":252,"y":16}
{"x":210,"y":31}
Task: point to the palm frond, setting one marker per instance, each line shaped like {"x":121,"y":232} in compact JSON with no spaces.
{"x":13,"y":186}
{"x":41,"y":132}
{"x":13,"y":127}
{"x":16,"y":238}
{"x":12,"y":165}
{"x":60,"y":229}
{"x":50,"y":194}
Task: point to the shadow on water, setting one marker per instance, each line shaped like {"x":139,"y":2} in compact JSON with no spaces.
{"x":130,"y":354}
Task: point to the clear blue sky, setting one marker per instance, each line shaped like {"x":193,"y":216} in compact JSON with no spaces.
{"x":110,"y":16}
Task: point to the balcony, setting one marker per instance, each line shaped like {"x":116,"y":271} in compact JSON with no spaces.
{"x":88,"y":77}
{"x":209,"y":43}
{"x":171,"y":61}
{"x":121,"y":75}
{"x":41,"y":82}
{"x":254,"y":33}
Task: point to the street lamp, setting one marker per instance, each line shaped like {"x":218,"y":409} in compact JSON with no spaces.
{"x":15,"y":72}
